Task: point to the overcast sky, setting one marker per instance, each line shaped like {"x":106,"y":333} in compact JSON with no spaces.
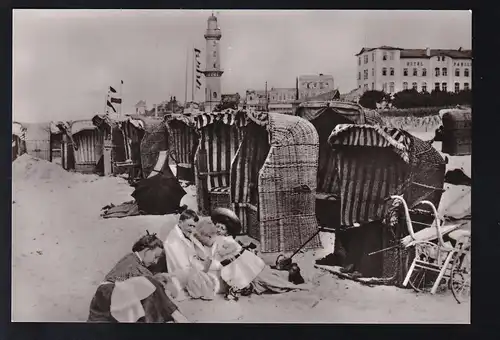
{"x":64,"y":60}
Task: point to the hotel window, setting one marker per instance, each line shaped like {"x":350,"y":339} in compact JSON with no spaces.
{"x":373,"y":72}
{"x":457,"y":72}
{"x":424,"y":72}
{"x":436,"y":71}
{"x":405,"y":72}
{"x":365,"y":74}
{"x":466,"y":86}
{"x":444,"y":87}
{"x":391,"y":87}
{"x":384,"y":71}
{"x":365,"y":87}
{"x":442,"y":58}
{"x":445,"y":72}
{"x":466,"y":72}
{"x":392,"y":71}
{"x":373,"y":56}
{"x":384,"y":56}
{"x":366,"y":59}
{"x":457,"y":87}
{"x":359,"y":75}
{"x":424,"y":87}
{"x":373,"y":86}
{"x":405,"y":86}
{"x":415,"y":72}
{"x":436,"y":86}
{"x":414,"y":86}
{"x":392,"y":55}
{"x":384,"y":87}
{"x":359,"y":60}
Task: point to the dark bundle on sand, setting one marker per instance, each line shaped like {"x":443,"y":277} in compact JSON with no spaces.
{"x":160,"y":194}
{"x":457,"y":177}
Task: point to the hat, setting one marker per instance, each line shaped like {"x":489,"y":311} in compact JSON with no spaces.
{"x":228,"y":218}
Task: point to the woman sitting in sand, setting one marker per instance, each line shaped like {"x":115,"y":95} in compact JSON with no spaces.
{"x":242,"y":270}
{"x":131,"y":293}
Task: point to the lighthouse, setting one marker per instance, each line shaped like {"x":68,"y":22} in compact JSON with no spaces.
{"x":212,"y":71}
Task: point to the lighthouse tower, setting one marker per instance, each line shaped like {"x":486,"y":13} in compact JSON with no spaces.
{"x":212,"y":71}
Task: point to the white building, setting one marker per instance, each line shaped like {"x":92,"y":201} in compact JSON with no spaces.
{"x":314,"y":85}
{"x":213,"y":70}
{"x":393,"y":69}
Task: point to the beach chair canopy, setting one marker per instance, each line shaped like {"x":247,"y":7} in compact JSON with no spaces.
{"x":312,"y":110}
{"x":274,"y":173}
{"x":375,"y":162}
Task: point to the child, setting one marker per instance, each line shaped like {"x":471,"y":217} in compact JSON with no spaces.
{"x":242,"y":270}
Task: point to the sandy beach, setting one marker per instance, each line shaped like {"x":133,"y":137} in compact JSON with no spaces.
{"x":62,"y":249}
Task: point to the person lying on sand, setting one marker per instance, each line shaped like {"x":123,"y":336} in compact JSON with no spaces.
{"x":242,"y":270}
{"x":184,"y":262}
{"x":131,"y":293}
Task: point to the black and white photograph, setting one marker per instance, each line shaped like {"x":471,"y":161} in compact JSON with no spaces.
{"x":241,"y":166}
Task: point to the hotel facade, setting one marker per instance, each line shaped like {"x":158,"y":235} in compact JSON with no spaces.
{"x":393,"y":69}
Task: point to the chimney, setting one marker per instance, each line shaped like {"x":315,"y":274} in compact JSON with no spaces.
{"x":428,"y":51}
{"x":156,"y":111}
{"x":460,"y":49}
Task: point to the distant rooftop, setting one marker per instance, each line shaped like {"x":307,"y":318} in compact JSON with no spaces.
{"x":422,"y":53}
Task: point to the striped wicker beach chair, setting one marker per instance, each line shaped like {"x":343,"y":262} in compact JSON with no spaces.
{"x":87,"y":145}
{"x":185,"y":142}
{"x":374,"y":163}
{"x":325,"y":116}
{"x":219,"y":141}
{"x":273,"y":180}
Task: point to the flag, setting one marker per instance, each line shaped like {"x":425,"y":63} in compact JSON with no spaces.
{"x":111,"y":106}
{"x":112,"y":89}
{"x":198,"y":71}
{"x":116,"y":100}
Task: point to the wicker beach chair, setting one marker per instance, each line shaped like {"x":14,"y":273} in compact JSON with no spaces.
{"x":185,"y":142}
{"x":273,"y":180}
{"x":219,"y":140}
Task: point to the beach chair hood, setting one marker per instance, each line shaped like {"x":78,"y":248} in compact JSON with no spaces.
{"x":375,"y":162}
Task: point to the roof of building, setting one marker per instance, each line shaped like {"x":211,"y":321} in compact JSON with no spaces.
{"x":422,"y":53}
{"x":383,"y":47}
{"x":315,"y":76}
{"x":140,"y":103}
{"x":289,"y":89}
{"x":257,"y":92}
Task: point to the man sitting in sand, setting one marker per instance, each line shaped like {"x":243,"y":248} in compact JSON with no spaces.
{"x":184,"y":257}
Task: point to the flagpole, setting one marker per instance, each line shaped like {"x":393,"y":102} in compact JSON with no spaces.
{"x":121,"y":96}
{"x":106,"y":102}
{"x":194,"y":77}
{"x":186,"y":80}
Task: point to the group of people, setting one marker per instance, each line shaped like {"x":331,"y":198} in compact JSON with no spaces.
{"x":203,"y":259}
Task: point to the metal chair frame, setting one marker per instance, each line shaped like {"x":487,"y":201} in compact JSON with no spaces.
{"x":434,"y":257}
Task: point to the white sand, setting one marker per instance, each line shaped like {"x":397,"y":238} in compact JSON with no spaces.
{"x":62,"y":249}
